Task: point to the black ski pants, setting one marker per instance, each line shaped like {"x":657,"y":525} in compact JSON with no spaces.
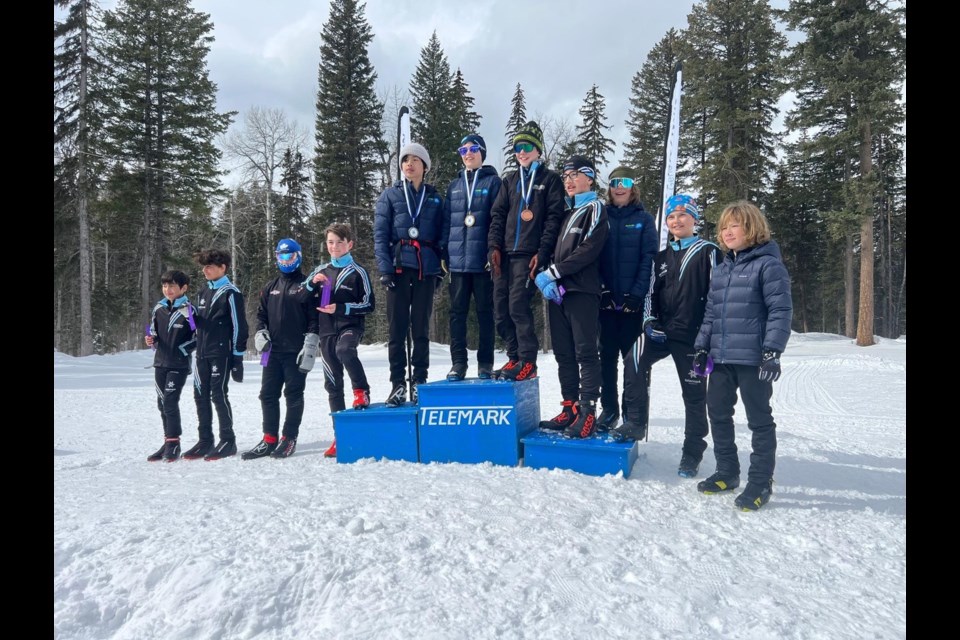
{"x":169,"y":383}
{"x":755,"y":394}
{"x":337,"y":353}
{"x":409,"y":307}
{"x":573,"y":330}
{"x":693,"y":388}
{"x":512,"y":293}
{"x":463,"y":286}
{"x":282,"y":374}
{"x":618,"y":335}
{"x":211,"y":384}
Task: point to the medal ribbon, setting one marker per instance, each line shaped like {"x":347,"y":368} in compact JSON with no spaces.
{"x":413,"y":216}
{"x":470,"y":188}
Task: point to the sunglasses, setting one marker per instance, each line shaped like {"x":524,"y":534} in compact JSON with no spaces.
{"x":618,"y":183}
{"x":523,"y":147}
{"x":473,"y":148}
{"x":286,"y":257}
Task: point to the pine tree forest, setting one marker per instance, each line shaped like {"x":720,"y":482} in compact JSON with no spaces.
{"x":142,"y":155}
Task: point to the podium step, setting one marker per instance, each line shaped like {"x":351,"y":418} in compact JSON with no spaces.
{"x":473,"y":420}
{"x":378,"y":432}
{"x":596,"y":456}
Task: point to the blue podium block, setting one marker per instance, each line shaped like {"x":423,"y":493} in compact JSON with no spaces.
{"x":376,"y":432}
{"x":596,"y":456}
{"x":476,"y":420}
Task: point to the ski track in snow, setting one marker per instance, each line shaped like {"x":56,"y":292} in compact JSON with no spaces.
{"x":308,"y":548}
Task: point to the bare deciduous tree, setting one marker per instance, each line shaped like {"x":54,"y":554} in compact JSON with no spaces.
{"x":257,"y":149}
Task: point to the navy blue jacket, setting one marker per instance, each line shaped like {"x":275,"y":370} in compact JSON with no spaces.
{"x":287,"y":312}
{"x":749,"y":308}
{"x":173,"y":337}
{"x":628,"y":254}
{"x":392,"y":220}
{"x":467,"y":246}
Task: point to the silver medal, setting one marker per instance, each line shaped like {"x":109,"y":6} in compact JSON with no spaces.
{"x":413,"y":232}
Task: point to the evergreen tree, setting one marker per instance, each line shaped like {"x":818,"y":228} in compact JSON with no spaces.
{"x":468,"y":120}
{"x":734,"y":73}
{"x":650,"y":92}
{"x":590,"y":140}
{"x":163,"y":120}
{"x":349,"y":146}
{"x":518,"y":118}
{"x":294,"y":210}
{"x":848,"y":74}
{"x":435,"y":121}
{"x":77,"y":138}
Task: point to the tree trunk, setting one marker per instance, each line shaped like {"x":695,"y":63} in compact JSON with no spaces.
{"x":86,"y":311}
{"x":849,"y":324}
{"x":865,"y":319}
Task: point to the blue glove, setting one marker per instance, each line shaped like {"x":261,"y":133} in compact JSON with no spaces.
{"x":543,"y":279}
{"x":654,"y":330}
{"x":553,"y":293}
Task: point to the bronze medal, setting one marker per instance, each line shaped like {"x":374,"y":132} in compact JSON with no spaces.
{"x":526,"y":215}
{"x":470,"y":220}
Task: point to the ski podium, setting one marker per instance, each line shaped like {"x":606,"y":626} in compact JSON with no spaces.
{"x":474,"y":421}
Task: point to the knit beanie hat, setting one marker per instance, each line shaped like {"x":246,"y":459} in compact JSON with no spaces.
{"x":621,"y":172}
{"x":531,"y":133}
{"x":683,"y":203}
{"x":581,"y":164}
{"x":474,"y":138}
{"x":412,"y":148}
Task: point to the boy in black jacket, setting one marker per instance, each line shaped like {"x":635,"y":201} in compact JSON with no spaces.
{"x":287,"y":338}
{"x":221,"y":340}
{"x":342,"y":319}
{"x":673,"y":312}
{"x":171,"y":336}
{"x":525,"y":223}
{"x":573,"y":282}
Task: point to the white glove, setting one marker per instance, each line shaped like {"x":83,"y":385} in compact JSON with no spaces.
{"x":307,"y":355}
{"x":262,"y":340}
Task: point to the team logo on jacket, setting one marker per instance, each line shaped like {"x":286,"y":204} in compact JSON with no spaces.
{"x":275,"y":292}
{"x":466,"y":417}
{"x":178,"y":326}
{"x":663,"y":270}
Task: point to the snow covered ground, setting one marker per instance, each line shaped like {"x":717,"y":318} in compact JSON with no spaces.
{"x":308,"y":548}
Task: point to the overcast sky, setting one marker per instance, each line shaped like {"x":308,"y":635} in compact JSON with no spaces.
{"x":267,"y":53}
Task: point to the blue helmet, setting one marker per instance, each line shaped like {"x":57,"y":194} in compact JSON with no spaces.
{"x":289,"y":255}
{"x":685,"y":203}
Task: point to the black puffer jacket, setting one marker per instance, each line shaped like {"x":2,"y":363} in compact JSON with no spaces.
{"x":513,"y":235}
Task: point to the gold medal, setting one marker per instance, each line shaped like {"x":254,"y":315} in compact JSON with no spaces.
{"x":526,"y":215}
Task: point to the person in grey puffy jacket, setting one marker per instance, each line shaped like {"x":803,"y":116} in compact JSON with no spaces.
{"x":745,"y":328}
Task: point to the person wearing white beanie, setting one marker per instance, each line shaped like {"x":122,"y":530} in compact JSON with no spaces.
{"x":408,"y":232}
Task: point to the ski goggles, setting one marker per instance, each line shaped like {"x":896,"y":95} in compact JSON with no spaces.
{"x":287,"y":259}
{"x":621,"y":183}
{"x":473,"y":148}
{"x":524,"y":147}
